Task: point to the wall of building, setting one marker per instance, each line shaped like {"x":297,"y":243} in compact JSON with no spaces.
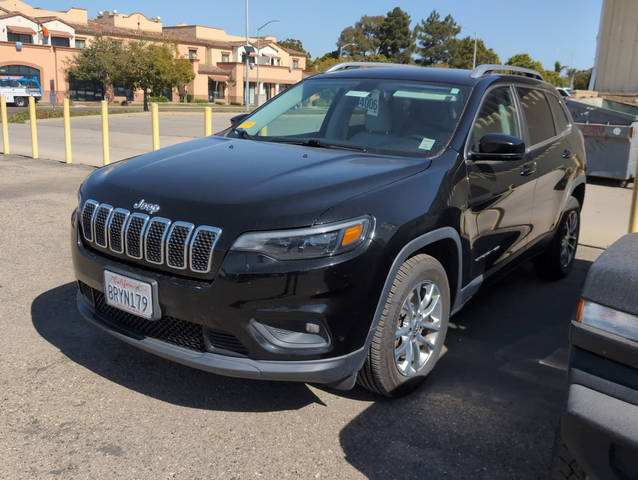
{"x":73,"y":15}
{"x":616,"y":68}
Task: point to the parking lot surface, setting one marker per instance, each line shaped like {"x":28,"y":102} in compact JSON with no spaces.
{"x":77,"y":403}
{"x":129,"y":134}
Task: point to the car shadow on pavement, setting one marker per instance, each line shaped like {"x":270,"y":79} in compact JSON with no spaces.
{"x":491,"y":406}
{"x":56,"y":319}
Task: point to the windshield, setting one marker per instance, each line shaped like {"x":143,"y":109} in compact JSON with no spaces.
{"x":372,"y":115}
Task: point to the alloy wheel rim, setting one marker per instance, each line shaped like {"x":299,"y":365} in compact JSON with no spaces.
{"x":569,"y":242}
{"x":418,"y":328}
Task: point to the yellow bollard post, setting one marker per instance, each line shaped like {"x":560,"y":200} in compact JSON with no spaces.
{"x":34,"y":129}
{"x":155,"y":117}
{"x":633,"y":216}
{"x":67,"y":131}
{"x":5,"y":127}
{"x":105,"y":132}
{"x":208,"y":121}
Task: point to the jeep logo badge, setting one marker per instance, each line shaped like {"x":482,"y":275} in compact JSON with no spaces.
{"x":148,"y":207}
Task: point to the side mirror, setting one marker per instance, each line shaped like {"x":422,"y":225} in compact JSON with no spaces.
{"x":238,"y":118}
{"x":499,"y":146}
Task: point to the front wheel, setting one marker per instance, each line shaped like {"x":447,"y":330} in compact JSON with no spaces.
{"x":20,"y":101}
{"x":411,"y":331}
{"x":557,"y":260}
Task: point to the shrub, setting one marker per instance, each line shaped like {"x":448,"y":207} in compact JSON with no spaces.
{"x":236,"y":103}
{"x":189,"y":97}
{"x":220,"y":102}
{"x":159,"y":99}
{"x":200,"y":100}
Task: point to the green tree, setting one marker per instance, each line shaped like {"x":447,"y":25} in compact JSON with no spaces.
{"x":362,"y":39}
{"x":581,"y":79}
{"x":292,"y":43}
{"x":554,"y":78}
{"x":462,"y":53}
{"x":396,"y":41}
{"x":99,"y":62}
{"x":525,"y":61}
{"x":153,"y":68}
{"x":435,"y":37}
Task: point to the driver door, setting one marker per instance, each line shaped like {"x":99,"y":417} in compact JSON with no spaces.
{"x":501,"y":192}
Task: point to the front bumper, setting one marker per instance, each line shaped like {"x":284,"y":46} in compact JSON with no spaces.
{"x":600,"y":424}
{"x":241,"y":312}
{"x":330,"y":370}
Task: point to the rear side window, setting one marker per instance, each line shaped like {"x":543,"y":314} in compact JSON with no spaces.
{"x":497,"y":115}
{"x":560,"y":117}
{"x":540,"y":124}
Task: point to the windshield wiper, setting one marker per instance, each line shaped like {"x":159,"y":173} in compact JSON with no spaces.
{"x":313,"y":142}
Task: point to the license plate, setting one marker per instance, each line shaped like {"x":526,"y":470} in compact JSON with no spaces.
{"x":128,"y":294}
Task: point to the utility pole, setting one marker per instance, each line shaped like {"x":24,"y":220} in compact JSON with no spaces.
{"x":474,"y":61}
{"x":246,"y":86}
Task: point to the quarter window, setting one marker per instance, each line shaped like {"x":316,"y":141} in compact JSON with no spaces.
{"x":497,"y":115}
{"x":560,"y":117}
{"x":540,"y":124}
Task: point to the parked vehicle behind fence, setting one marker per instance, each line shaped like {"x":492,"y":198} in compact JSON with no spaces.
{"x":329,"y":235}
{"x":18,"y":89}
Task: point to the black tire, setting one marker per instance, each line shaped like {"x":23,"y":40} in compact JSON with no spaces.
{"x":380,"y":373}
{"x":551,"y":265}
{"x":564,"y":466}
{"x":20,"y":101}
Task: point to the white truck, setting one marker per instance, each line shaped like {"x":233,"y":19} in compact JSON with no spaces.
{"x":17,"y":89}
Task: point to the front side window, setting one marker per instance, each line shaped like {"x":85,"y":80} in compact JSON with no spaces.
{"x":497,"y":115}
{"x":540,"y":124}
{"x":383,"y":116}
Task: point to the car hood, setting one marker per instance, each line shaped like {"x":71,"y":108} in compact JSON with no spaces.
{"x":242,"y":185}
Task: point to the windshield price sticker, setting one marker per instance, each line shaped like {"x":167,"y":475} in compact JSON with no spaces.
{"x":427,"y":143}
{"x":247,"y":125}
{"x":371,"y":103}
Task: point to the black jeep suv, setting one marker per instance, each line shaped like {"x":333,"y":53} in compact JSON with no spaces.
{"x":329,"y":235}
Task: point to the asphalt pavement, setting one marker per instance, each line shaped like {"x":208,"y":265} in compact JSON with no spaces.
{"x":77,"y":403}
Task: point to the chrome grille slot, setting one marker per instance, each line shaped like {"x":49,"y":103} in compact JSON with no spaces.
{"x":177,"y":244}
{"x":115,"y":229}
{"x":100,"y":219}
{"x":87,"y":219}
{"x":133,"y":234}
{"x":154,"y":240}
{"x":201,"y":248}
{"x":157,"y":240}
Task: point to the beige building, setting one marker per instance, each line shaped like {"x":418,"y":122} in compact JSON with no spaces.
{"x":616,"y":64}
{"x":36,"y":42}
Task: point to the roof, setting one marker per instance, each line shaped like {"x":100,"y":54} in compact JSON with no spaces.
{"x":290,"y":51}
{"x":94,"y":27}
{"x":417,"y":73}
{"x":212,"y":70}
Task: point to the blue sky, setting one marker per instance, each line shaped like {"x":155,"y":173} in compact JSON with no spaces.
{"x":549,"y":30}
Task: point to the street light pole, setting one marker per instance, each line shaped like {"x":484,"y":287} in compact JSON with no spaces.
{"x":246,"y":86}
{"x":474,"y":61}
{"x":343,"y":46}
{"x":258,"y":92}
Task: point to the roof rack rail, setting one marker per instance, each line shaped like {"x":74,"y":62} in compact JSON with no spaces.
{"x":350,"y":65}
{"x":483,"y":70}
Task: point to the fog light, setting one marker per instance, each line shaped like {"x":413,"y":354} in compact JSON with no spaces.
{"x":312,"y":328}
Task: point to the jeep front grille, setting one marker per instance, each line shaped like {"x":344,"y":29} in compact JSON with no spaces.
{"x":157,"y":240}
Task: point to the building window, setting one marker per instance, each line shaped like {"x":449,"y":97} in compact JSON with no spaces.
{"x":295,"y":64}
{"x":80,"y":43}
{"x":192,"y":54}
{"x":60,"y":42}
{"x":225,"y":57}
{"x":20,"y":70}
{"x":19,"y":37}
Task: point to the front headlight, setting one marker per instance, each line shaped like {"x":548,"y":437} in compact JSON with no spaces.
{"x":313,"y":242}
{"x":607,"y":319}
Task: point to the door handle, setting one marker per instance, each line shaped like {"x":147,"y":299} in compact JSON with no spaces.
{"x":566,"y":154}
{"x":528,"y":169}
